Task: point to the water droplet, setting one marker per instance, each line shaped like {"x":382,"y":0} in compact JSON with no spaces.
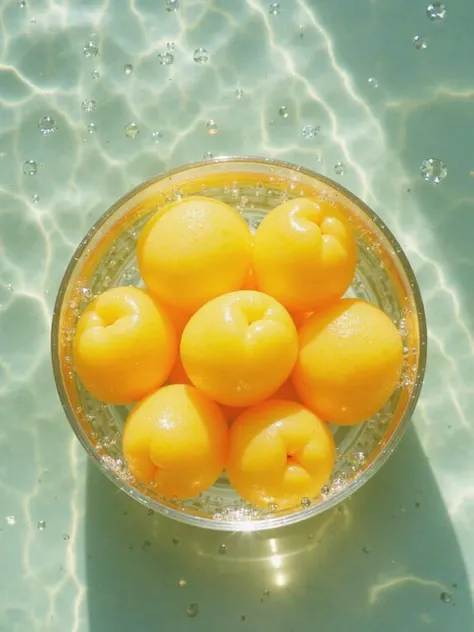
{"x":128,"y":69}
{"x":47,"y":125}
{"x":242,"y":617}
{"x":222,"y":550}
{"x":283,"y":112}
{"x":95,"y":74}
{"x":65,"y":537}
{"x":446,"y":597}
{"x":212,"y":127}
{"x":157,"y":136}
{"x":272,"y":506}
{"x":10,"y":287}
{"x":166,"y":58}
{"x":433,"y":170}
{"x":132,"y":130}
{"x":30,"y":168}
{"x":89,"y":105}
{"x":274,"y":8}
{"x":36,"y":198}
{"x":201,"y":56}
{"x":170,"y":46}
{"x":86,"y":292}
{"x":340,"y":168}
{"x":181,"y":583}
{"x":365,"y":550}
{"x":11,"y":520}
{"x":305,"y":502}
{"x":22,"y":4}
{"x":402,"y":327}
{"x":372,"y":82}
{"x":192,"y":610}
{"x":172,"y":5}
{"x":41,"y":525}
{"x":325,"y":490}
{"x":92,"y":128}
{"x":436,"y":11}
{"x":239,"y":93}
{"x":310,"y":131}
{"x":419,"y":43}
{"x":91,"y":50}
{"x":266,"y":592}
{"x":175,"y":541}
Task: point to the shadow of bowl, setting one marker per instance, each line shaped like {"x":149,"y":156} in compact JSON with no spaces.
{"x":387,"y":558}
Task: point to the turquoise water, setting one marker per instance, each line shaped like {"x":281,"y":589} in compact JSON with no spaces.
{"x":400,"y":553}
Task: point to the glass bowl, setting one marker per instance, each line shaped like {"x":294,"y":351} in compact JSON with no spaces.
{"x":106,"y":258}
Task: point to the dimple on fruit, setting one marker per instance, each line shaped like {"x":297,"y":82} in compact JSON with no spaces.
{"x":176,"y":439}
{"x":194,"y":250}
{"x":239,"y":348}
{"x":305,"y":254}
{"x":124,"y":345}
{"x":279,"y":453}
{"x":349,"y":363}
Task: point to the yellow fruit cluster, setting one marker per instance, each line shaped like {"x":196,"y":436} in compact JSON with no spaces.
{"x":240,"y":351}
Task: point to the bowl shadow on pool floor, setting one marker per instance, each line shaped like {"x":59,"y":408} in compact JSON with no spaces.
{"x":386,"y":559}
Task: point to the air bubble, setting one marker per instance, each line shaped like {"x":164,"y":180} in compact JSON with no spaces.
{"x":89,"y":105}
{"x":436,"y":11}
{"x":91,"y":50}
{"x":47,"y":125}
{"x":419,"y":43}
{"x":30,"y":168}
{"x":201,"y":56}
{"x":192,"y":610}
{"x":433,"y":170}
{"x":165,"y":58}
{"x":310,"y":131}
{"x":132,"y":130}
{"x":212,"y":127}
{"x":340,"y":168}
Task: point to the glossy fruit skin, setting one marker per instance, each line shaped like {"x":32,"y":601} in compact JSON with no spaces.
{"x":279,"y":453}
{"x":124,"y":345}
{"x":239,"y":348}
{"x":349,"y":362}
{"x":194,"y":250}
{"x":176,"y":439}
{"x":305,"y":254}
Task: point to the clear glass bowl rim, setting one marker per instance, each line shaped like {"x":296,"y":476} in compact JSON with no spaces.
{"x":270,"y":522}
